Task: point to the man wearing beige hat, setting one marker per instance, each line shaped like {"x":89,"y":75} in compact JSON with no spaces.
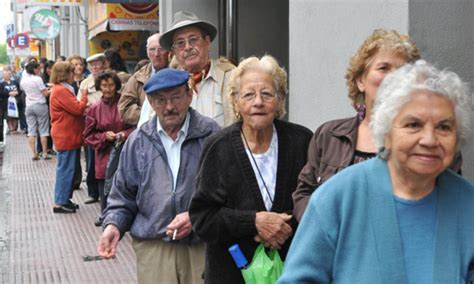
{"x":189,"y":38}
{"x":96,"y":65}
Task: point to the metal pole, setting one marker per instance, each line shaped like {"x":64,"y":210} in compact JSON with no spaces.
{"x":231,"y":30}
{"x":14,"y":31}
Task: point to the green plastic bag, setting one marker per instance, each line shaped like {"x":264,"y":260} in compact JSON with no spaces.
{"x":264,"y":268}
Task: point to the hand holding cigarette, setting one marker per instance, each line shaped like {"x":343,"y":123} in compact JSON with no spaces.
{"x":180,"y":227}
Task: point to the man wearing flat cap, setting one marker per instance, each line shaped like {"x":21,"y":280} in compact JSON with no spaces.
{"x":189,"y":38}
{"x":154,"y":183}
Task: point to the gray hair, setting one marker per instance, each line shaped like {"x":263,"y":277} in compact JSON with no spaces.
{"x":395,"y":91}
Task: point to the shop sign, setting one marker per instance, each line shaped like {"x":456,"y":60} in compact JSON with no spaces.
{"x":22,"y":41}
{"x":45,"y":24}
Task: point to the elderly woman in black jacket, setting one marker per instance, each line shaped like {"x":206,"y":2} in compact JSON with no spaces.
{"x":248,"y":172}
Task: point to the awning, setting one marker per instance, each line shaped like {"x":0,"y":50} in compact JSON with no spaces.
{"x":115,"y":25}
{"x":100,"y":28}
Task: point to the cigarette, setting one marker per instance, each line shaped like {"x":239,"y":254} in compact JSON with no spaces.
{"x":174,"y":234}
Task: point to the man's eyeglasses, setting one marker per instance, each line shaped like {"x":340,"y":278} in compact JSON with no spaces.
{"x":161,"y":101}
{"x":265,"y":96}
{"x":156,"y":50}
{"x":181,"y":43}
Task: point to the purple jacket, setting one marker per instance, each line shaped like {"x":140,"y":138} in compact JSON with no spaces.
{"x":103,"y":116}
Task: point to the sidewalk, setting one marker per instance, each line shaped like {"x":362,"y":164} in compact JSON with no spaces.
{"x":38,"y":246}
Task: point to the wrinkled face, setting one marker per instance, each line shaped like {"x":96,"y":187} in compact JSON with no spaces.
{"x":382,"y":63}
{"x":108,"y":88}
{"x":422,"y":140}
{"x":171,"y":107}
{"x":191,"y":48}
{"x":96,"y":67}
{"x":157,"y":55}
{"x":257,"y":101}
{"x":78,"y":66}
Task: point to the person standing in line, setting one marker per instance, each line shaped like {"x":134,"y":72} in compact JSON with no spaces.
{"x":404,"y":216}
{"x":67,"y":120}
{"x":45,"y":75}
{"x":37,"y":115}
{"x":114,"y":62}
{"x":154,"y":183}
{"x":189,"y":39}
{"x":133,"y":96}
{"x":79,"y":66}
{"x":8,"y":88}
{"x":87,"y":88}
{"x":104,"y":128}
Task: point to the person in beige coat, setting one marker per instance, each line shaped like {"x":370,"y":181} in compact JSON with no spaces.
{"x":189,"y":39}
{"x":133,"y":96}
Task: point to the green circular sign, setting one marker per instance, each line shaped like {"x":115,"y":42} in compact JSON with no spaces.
{"x":45,"y":24}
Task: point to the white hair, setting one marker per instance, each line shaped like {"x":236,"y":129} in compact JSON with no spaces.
{"x":395,"y":91}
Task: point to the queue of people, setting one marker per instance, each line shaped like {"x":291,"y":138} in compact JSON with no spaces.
{"x":208,"y":161}
{"x":385,"y":196}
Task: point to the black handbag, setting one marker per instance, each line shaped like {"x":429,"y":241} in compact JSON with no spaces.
{"x":112,"y":165}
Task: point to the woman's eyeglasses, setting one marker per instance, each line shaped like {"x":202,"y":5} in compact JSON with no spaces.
{"x":265,"y":96}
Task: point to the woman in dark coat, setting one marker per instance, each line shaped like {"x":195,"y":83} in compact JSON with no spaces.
{"x":248,"y":172}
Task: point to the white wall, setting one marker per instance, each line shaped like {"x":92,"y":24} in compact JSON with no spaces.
{"x":324,"y":34}
{"x":444,"y":32}
{"x":72,"y":35}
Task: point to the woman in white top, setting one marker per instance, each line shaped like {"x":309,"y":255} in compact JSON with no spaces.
{"x":36,"y":112}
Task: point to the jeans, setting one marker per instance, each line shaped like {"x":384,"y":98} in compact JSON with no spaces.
{"x":92,"y":185}
{"x":65,"y":168}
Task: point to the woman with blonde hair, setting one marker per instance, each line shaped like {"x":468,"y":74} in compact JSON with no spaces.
{"x":67,"y":125}
{"x":248,"y":172}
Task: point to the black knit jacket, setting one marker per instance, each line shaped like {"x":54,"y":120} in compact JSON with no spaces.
{"x":223,"y":208}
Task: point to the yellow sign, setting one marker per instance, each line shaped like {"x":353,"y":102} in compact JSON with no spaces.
{"x":126,"y":42}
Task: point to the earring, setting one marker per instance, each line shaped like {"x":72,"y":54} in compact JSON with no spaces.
{"x":237,"y":115}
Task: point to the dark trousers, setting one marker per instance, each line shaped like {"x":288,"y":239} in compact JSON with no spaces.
{"x":21,"y":112}
{"x":3,"y":117}
{"x":103,"y":197}
{"x":78,"y":173}
{"x":92,"y":185}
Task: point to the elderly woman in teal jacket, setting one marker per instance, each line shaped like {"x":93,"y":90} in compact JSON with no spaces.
{"x":402,"y":217}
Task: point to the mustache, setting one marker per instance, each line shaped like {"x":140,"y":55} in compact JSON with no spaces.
{"x":170,"y":112}
{"x":191,"y":52}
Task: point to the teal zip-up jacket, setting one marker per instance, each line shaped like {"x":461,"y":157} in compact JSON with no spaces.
{"x":349,"y":232}
{"x":142,"y":199}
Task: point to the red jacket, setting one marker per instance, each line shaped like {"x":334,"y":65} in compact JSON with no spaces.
{"x":67,"y":118}
{"x":103,"y":116}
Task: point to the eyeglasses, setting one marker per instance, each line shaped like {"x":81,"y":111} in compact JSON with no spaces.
{"x":161,"y":101}
{"x":156,"y":50}
{"x":181,"y":43}
{"x":265,"y":96}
